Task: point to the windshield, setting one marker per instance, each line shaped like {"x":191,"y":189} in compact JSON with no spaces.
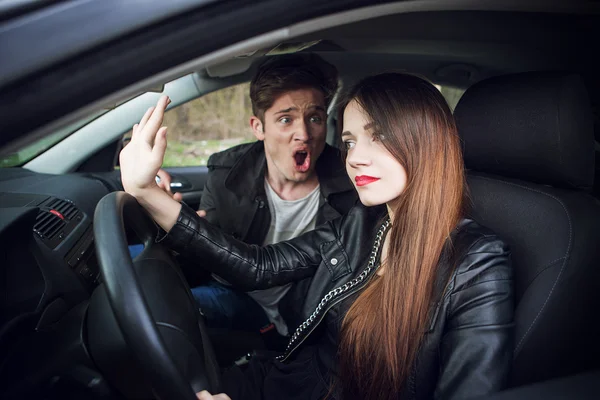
{"x":32,"y":150}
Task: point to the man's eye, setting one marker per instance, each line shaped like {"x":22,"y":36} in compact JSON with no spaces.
{"x":316,"y":119}
{"x":285,"y":120}
{"x":349,"y":145}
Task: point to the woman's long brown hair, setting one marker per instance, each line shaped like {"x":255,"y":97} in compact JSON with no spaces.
{"x":383,"y":329}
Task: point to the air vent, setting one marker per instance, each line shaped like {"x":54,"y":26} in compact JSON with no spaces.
{"x":64,"y":207}
{"x":48,"y":224}
{"x":56,"y":220}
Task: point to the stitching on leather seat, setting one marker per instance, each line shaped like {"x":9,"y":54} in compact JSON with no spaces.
{"x":541,"y":271}
{"x":566,"y":256}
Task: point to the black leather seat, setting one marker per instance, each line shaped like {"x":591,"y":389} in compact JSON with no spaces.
{"x":529,"y":148}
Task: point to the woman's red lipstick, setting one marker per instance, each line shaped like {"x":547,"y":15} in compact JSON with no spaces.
{"x":363,"y":180}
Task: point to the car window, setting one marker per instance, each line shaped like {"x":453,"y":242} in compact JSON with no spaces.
{"x":451,"y":94}
{"x":220,"y":120}
{"x":206,"y":125}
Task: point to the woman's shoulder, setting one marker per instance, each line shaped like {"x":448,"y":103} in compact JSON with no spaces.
{"x":371,"y":216}
{"x":472,"y":237}
{"x":481,"y":255}
{"x":359,"y":225}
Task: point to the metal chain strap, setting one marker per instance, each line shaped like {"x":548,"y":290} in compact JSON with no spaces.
{"x":339,"y":290}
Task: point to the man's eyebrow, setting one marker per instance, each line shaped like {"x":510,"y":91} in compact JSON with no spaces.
{"x":287,"y":110}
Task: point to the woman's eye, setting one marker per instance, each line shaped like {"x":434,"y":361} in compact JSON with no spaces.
{"x":349,"y":145}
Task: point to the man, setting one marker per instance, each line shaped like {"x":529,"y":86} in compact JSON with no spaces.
{"x":277,"y":188}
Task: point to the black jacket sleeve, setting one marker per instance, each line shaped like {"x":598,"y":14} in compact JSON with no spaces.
{"x":477,"y":343}
{"x":207,"y":201}
{"x":248,"y":267}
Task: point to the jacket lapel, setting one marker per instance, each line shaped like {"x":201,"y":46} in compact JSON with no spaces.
{"x":245,"y":181}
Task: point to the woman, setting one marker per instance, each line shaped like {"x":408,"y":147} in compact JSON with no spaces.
{"x":403,"y":297}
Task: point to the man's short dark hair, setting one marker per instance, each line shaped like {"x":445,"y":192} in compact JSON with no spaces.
{"x":280,"y":74}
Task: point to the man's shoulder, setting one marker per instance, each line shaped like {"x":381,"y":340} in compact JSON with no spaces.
{"x":228,"y":158}
{"x":333,"y":177}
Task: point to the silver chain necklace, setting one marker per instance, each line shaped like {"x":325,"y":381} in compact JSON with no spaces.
{"x":334,"y":293}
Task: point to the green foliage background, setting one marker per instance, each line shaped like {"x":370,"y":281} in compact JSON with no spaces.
{"x":208,"y":124}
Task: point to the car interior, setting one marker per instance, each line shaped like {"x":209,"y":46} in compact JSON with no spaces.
{"x":81,"y":319}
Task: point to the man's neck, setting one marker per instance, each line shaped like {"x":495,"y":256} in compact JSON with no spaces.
{"x":290,"y":190}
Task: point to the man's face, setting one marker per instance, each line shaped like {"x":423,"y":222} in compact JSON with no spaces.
{"x":294,"y":134}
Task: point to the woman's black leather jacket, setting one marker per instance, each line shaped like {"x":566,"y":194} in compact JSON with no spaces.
{"x":467,"y":348}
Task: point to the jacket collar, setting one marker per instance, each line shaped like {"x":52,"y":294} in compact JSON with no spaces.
{"x":248,"y":173}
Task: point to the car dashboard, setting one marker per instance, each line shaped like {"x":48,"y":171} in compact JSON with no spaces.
{"x":49,"y":271}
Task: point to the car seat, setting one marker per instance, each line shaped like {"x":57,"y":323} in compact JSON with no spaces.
{"x":529,"y":153}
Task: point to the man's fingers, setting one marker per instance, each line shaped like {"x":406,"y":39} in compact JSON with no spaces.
{"x":201,"y":213}
{"x":178,"y":196}
{"x":164,"y":176}
{"x":204,"y":395}
{"x":164,"y":186}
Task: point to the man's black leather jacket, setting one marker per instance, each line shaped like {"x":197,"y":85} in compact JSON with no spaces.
{"x":467,"y":349}
{"x":234,"y":196}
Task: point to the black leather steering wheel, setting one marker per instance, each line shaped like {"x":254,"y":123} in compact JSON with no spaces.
{"x":143,"y":317}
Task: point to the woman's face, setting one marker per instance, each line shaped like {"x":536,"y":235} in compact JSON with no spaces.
{"x":378,"y":177}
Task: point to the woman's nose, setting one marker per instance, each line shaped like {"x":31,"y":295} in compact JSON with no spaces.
{"x":358,"y":156}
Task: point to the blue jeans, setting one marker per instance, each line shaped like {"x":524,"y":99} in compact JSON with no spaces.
{"x":135,"y":250}
{"x":225,"y":307}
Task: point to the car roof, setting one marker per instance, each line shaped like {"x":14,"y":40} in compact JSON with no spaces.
{"x":451,"y":42}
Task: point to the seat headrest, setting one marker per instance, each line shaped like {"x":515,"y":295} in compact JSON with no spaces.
{"x":534,"y":126}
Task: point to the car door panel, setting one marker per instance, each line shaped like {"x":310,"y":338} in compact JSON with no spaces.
{"x":189,"y":181}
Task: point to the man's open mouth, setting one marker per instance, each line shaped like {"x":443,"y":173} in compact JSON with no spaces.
{"x":302,"y":160}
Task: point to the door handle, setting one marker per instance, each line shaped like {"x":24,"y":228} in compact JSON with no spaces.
{"x":178,"y":183}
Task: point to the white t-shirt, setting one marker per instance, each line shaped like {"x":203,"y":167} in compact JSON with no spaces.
{"x":289,"y":218}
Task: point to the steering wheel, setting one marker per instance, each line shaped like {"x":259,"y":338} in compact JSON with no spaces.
{"x":145,"y":331}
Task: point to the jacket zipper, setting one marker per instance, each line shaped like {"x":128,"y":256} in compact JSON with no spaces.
{"x":321,"y":311}
{"x":287,"y":354}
